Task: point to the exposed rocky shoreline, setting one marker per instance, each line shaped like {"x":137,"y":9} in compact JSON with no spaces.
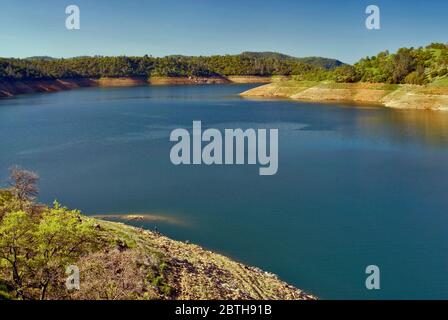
{"x":13,"y":88}
{"x":394,"y":96}
{"x":197,"y":274}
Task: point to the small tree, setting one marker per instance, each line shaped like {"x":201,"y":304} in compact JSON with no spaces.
{"x":7,"y":203}
{"x":62,"y":237}
{"x":16,"y":243}
{"x":34,"y":251}
{"x":24,"y":184}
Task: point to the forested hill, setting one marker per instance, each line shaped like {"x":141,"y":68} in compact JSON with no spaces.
{"x":421,"y":65}
{"x":416,"y":66}
{"x":245,"y":64}
{"x":325,"y":63}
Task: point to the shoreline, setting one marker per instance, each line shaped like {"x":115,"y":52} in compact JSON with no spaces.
{"x":425,"y":97}
{"x":132,"y":262}
{"x":14,"y":88}
{"x":194,"y":268}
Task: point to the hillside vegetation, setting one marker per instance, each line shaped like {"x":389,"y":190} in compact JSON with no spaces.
{"x":421,"y":65}
{"x":413,"y":78}
{"x":418,"y":66}
{"x":246,"y":64}
{"x":116,"y":261}
{"x":324,"y":63}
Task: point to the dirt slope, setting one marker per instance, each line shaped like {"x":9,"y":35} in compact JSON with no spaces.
{"x":194,"y":273}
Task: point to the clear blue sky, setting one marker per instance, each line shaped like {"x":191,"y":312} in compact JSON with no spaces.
{"x":327,"y":28}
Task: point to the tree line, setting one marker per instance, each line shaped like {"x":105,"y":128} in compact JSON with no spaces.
{"x":408,"y":65}
{"x":147,"y":66}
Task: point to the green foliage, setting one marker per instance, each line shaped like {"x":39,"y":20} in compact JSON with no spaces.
{"x":38,"y":242}
{"x":415,"y":78}
{"x":163,"y":287}
{"x":344,"y":74}
{"x":34,"y":250}
{"x":442,"y":82}
{"x":245,"y":64}
{"x":408,"y":65}
{"x":60,"y":238}
{"x":16,"y":238}
{"x":4,"y":292}
{"x":6,"y":198}
{"x":323,"y":63}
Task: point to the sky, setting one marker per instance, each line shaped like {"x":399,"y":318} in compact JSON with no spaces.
{"x":328,"y":28}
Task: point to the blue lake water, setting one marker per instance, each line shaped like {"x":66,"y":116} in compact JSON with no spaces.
{"x":356,"y":186}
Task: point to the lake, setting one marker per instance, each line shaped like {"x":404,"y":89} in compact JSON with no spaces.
{"x":356,"y":185}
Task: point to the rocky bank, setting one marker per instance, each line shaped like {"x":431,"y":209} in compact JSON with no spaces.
{"x":394,"y":96}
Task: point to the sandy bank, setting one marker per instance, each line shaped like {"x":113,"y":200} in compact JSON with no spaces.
{"x":249,"y":79}
{"x":186,"y":80}
{"x":141,"y":217}
{"x":13,"y":88}
{"x":395,"y":96}
{"x":120,"y":82}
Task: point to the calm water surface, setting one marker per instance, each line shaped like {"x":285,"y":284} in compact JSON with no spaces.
{"x":356,"y":185}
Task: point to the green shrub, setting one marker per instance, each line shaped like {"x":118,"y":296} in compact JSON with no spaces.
{"x":414,"y":78}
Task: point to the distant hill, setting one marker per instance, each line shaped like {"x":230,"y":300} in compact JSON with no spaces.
{"x":326,"y":63}
{"x":267,"y":55}
{"x":44,"y":58}
{"x":264,"y":64}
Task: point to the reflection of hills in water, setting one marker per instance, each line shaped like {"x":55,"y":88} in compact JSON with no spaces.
{"x":408,"y":126}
